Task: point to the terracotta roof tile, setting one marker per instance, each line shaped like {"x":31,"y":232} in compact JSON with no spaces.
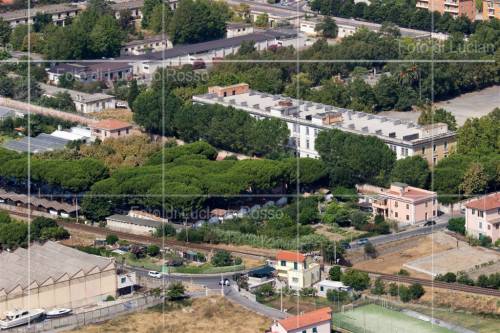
{"x":306,"y":319}
{"x":487,"y":202}
{"x":111,"y":124}
{"x":290,"y":256}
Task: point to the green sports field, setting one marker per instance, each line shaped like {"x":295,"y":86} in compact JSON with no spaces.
{"x":376,"y":319}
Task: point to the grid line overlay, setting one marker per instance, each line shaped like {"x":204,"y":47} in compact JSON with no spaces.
{"x":297,"y":195}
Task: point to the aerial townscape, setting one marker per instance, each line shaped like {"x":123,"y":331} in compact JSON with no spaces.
{"x":250,"y":166}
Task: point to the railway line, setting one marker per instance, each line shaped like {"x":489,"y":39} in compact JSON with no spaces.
{"x":259,"y":254}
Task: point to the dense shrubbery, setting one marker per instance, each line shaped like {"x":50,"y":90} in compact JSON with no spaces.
{"x":183,"y":185}
{"x":53,"y":176}
{"x":492,"y":281}
{"x":14,"y":233}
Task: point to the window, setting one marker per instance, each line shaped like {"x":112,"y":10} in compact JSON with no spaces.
{"x":434,"y":160}
{"x":473,"y":212}
{"x":304,"y":331}
{"x":295,"y":265}
{"x":396,"y":204}
{"x":407,"y":217}
{"x":296,"y":128}
{"x":426,"y":205}
{"x":396,"y":214}
{"x":283,"y":263}
{"x":480,"y":225}
{"x":407,"y":206}
{"x":445,"y":145}
{"x":315,"y":330}
{"x":295,"y":280}
{"x":321,"y":288}
{"x":480,"y":213}
{"x":434,"y":147}
{"x":307,"y":143}
{"x":307,"y":130}
{"x":489,"y":227}
{"x":123,"y":279}
{"x":225,"y":94}
{"x":423,"y":150}
{"x":433,"y":213}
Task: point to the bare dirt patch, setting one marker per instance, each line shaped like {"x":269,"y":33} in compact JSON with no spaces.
{"x":406,"y":251}
{"x":214,"y":314}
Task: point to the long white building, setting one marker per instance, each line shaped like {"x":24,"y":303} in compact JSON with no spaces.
{"x":305,"y":119}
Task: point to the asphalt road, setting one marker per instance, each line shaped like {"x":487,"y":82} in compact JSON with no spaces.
{"x":212,"y":283}
{"x":441,"y":223}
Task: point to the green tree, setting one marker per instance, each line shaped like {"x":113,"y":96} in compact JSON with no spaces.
{"x":337,"y":296}
{"x":153,"y":250}
{"x":335,"y":273}
{"x":328,"y":28}
{"x":221,"y":258}
{"x":41,"y":20}
{"x":430,"y":116}
{"x":354,"y":159}
{"x":416,"y":291}
{"x":393,"y":289}
{"x":378,"y":287}
{"x":106,"y":37}
{"x":412,"y":170}
{"x":5,"y":32}
{"x":404,"y":294}
{"x":133,"y":92}
{"x":262,"y":20}
{"x":198,"y":21}
{"x":40,"y":223}
{"x":356,"y":279}
{"x":160,"y":18}
{"x":17,"y":36}
{"x":148,"y":9}
{"x":475,"y":180}
{"x":175,"y":291}
{"x":449,"y":277}
{"x":111,"y":239}
{"x":165,"y":230}
{"x":370,"y":250}
{"x":457,"y":224}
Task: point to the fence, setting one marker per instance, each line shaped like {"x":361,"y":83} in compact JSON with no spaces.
{"x":92,"y":316}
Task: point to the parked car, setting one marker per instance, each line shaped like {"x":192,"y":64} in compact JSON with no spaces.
{"x":224,"y":282}
{"x":345,"y":245}
{"x":429,"y":223}
{"x":155,"y":274}
{"x":362,"y":241}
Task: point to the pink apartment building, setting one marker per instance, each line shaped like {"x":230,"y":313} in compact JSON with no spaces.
{"x":401,"y":202}
{"x":482,"y":216}
{"x":317,"y":321}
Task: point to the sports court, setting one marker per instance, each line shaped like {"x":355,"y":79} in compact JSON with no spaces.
{"x":376,"y":319}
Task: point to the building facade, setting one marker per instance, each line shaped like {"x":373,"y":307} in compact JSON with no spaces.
{"x":110,"y":128}
{"x":59,"y":13}
{"x":455,"y":8}
{"x":324,"y":286}
{"x":238,"y":29}
{"x":152,"y":44}
{"x":298,"y":270}
{"x":306,"y":119}
{"x":491,"y":9}
{"x":482,"y":216}
{"x":90,"y":72}
{"x":59,"y":277}
{"x":317,"y":321}
{"x":402,"y":203}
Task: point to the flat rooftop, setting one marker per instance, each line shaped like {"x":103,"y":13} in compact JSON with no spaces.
{"x":181,"y":50}
{"x":312,"y":114}
{"x":39,"y":144}
{"x":47,"y":9}
{"x":75,"y":95}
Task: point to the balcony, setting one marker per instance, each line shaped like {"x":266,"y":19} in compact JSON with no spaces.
{"x":380,"y":203}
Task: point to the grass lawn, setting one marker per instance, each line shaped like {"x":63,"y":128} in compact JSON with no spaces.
{"x":474,"y":322}
{"x":374,"y":319}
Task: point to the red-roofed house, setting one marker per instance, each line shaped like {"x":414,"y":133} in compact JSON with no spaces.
{"x":297,"y":269}
{"x":482,"y":216}
{"x":403,"y":203}
{"x":318,"y":321}
{"x":110,"y":128}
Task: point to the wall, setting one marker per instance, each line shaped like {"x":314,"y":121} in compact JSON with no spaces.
{"x":129,"y":228}
{"x":77,"y":291}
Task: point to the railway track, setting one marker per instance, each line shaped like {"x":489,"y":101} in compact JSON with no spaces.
{"x":255,"y":253}
{"x":157,"y":241}
{"x":437,"y":284}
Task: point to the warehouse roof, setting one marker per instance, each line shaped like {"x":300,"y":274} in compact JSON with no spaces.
{"x":40,"y":144}
{"x":139,"y":221}
{"x":217,"y":44}
{"x":76,"y":96}
{"x":38,"y":202}
{"x":50,"y":260}
{"x":48,"y":9}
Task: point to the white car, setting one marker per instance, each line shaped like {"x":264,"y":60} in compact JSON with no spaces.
{"x":155,"y":274}
{"x":224,"y":282}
